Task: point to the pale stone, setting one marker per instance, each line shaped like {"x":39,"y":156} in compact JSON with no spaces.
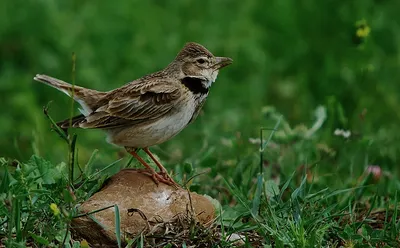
{"x":132,"y":190}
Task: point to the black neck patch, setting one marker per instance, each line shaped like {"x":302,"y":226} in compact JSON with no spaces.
{"x":194,"y":85}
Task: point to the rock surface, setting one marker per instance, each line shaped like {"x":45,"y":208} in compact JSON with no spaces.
{"x":142,"y":205}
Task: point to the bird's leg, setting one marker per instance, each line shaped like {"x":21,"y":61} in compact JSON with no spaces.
{"x":159,"y":165}
{"x":149,"y":170}
{"x":163,"y":172}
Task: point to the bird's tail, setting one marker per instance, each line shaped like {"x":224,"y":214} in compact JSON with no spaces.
{"x":58,"y":84}
{"x":87,"y":98}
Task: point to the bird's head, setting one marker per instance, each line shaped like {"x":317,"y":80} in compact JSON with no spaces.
{"x":197,"y":62}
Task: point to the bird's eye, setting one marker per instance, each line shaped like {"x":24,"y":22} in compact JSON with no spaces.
{"x":201,"y":61}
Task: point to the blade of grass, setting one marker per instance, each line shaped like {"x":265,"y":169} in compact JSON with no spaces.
{"x":93,"y":212}
{"x":385,"y":223}
{"x":260,"y":176}
{"x":298,"y":191}
{"x":257,"y":196}
{"x":91,"y":160}
{"x":264,"y":144}
{"x":72,"y":159}
{"x":102,"y":225}
{"x":17,"y":218}
{"x":286,"y":185}
{"x":129,"y":162}
{"x":66,"y":235}
{"x":54,"y":125}
{"x":98,"y":172}
{"x":317,"y":194}
{"x":369,"y":211}
{"x":130,"y":243}
{"x":141,"y":241}
{"x":395,"y":227}
{"x":117,"y":225}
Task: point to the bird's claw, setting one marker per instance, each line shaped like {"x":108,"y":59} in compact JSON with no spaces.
{"x":158,"y":177}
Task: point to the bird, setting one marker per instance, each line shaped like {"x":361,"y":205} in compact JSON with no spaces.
{"x":150,"y":110}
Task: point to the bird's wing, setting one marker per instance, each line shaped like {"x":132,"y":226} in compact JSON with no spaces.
{"x":131,"y":104}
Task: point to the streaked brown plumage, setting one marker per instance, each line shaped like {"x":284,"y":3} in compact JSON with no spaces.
{"x":151,"y":109}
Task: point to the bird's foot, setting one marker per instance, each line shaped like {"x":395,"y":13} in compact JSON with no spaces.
{"x":158,"y":177}
{"x":161,"y":176}
{"x":165,"y":178}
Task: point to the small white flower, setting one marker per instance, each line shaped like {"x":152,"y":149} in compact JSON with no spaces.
{"x":255,"y":141}
{"x":340,"y":132}
{"x":346,"y":134}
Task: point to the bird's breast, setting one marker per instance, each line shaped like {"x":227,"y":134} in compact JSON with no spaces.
{"x":154,"y":132}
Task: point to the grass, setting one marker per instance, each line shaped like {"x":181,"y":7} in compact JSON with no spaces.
{"x":272,"y":209}
{"x":323,"y":89}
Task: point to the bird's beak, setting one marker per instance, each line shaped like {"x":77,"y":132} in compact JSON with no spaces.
{"x":221,"y":62}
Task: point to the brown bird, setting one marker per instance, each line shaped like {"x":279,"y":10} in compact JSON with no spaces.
{"x":151,"y":109}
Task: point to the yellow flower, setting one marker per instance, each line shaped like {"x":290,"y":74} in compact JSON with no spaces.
{"x":363,"y":29}
{"x":55,"y":209}
{"x":84,"y":244}
{"x":363,"y":32}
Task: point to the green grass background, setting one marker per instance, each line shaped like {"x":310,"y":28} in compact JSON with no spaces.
{"x":289,"y":58}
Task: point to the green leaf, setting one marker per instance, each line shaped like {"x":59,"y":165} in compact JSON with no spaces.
{"x":76,"y":244}
{"x":271,"y":188}
{"x":67,"y":196}
{"x":187,"y":168}
{"x":39,"y":239}
{"x":48,"y":174}
{"x":347,"y":232}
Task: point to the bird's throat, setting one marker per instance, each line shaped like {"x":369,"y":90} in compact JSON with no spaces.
{"x":195,"y":85}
